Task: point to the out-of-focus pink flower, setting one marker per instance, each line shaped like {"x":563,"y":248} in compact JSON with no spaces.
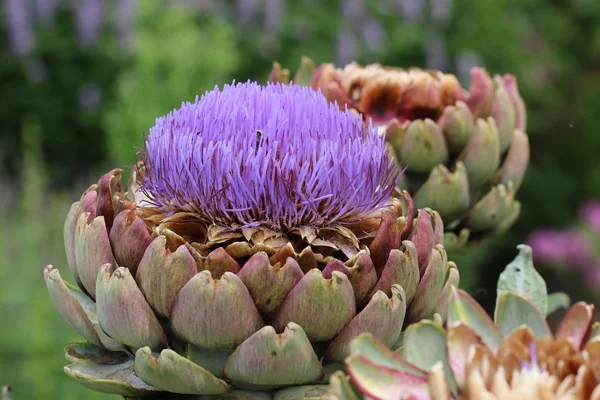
{"x":573,"y":247}
{"x":562,"y":247}
{"x":592,"y":275}
{"x":589,"y":214}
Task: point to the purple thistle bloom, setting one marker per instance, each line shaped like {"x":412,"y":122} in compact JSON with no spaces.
{"x":278,"y":156}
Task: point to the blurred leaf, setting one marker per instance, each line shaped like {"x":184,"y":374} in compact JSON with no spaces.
{"x":556,"y":301}
{"x":521,"y":277}
{"x":31,"y":348}
{"x":425,"y":345}
{"x":177,"y":56}
{"x":463,"y":308}
{"x":514,"y":310}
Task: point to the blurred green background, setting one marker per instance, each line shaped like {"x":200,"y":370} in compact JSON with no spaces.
{"x":81,"y":84}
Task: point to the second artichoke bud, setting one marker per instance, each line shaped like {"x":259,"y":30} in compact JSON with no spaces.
{"x":465,"y":151}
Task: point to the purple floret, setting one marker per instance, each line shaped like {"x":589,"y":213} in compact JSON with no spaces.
{"x":276,"y":156}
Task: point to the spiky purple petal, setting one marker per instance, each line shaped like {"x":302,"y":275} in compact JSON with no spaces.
{"x":275,"y":156}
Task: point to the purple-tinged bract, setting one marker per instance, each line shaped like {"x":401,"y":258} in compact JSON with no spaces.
{"x":275,"y":156}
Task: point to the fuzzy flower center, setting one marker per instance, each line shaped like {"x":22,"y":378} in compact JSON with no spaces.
{"x":276,"y":156}
{"x":531,"y":381}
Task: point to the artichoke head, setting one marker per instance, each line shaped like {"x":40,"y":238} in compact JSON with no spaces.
{"x":169,"y":305}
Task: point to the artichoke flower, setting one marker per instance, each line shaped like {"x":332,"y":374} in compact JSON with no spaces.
{"x":465,"y":152}
{"x":257,"y":237}
{"x":516,"y":356}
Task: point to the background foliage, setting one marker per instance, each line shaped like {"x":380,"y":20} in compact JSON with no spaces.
{"x":177,"y":54}
{"x":79,"y":87}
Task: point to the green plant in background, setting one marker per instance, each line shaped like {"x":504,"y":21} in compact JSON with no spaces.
{"x":69,"y":86}
{"x":297,"y":29}
{"x":516,"y":356}
{"x":35,"y":219}
{"x":177,"y":55}
{"x":65,"y":86}
{"x":14,"y":81}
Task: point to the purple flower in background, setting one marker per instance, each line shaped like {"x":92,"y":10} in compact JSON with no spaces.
{"x":89,"y":21}
{"x":246,"y":11}
{"x":575,"y":247}
{"x":90,"y":95}
{"x":274,"y":14}
{"x":467,"y":60}
{"x":22,"y":16}
{"x":592,"y":275}
{"x":589,"y":214}
{"x":373,"y":34}
{"x":278,"y":156}
{"x":45,"y":10}
{"x":435,"y":52}
{"x":125,"y":13}
{"x":20,"y":26}
{"x":353,"y":9}
{"x":412,"y":10}
{"x":347,"y":47}
{"x":561,"y":247}
{"x":441,"y":11}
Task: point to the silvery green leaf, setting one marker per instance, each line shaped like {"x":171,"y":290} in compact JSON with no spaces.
{"x":557,"y":300}
{"x":425,"y":345}
{"x":521,"y":277}
{"x":515,"y":310}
